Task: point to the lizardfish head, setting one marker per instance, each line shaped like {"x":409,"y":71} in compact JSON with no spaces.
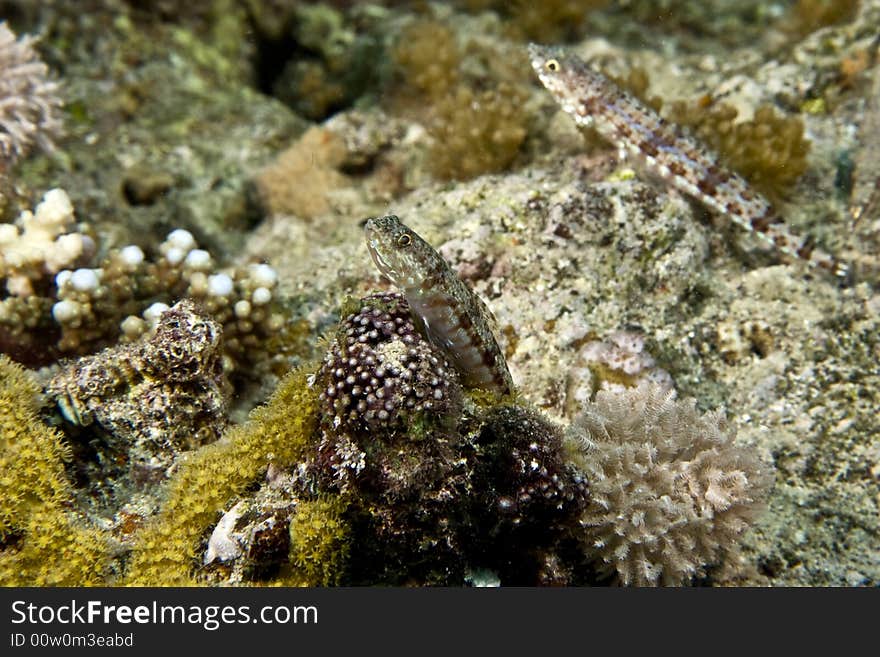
{"x":564,"y":75}
{"x":399,"y":253}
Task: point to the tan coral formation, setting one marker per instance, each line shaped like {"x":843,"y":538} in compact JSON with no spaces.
{"x":299,"y":180}
{"x":671,"y":492}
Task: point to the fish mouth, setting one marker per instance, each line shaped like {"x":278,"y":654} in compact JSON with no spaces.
{"x":380,"y":262}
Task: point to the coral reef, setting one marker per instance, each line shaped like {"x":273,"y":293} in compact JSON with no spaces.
{"x":390,"y":408}
{"x":40,"y":244}
{"x":43,"y":542}
{"x":167,"y":550}
{"x":670,"y":491}
{"x":152,"y":399}
{"x":476,"y":125}
{"x":299,"y":180}
{"x":551,"y":21}
{"x":52,"y":309}
{"x":527,"y":498}
{"x":319,"y":541}
{"x":379,"y":370}
{"x":30,"y":102}
{"x":618,"y":362}
{"x":427,"y":58}
{"x":601,"y":281}
{"x":338,"y":58}
{"x":476,"y":132}
{"x":805,"y":16}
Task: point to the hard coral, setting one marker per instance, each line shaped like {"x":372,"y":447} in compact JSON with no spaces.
{"x":153,"y":398}
{"x":299,"y":180}
{"x":391,"y":405}
{"x":476,"y":132}
{"x":527,"y":496}
{"x":54,"y":308}
{"x":617,"y":362}
{"x":39,"y":244}
{"x":379,"y":370}
{"x":671,"y":492}
{"x":29,"y":99}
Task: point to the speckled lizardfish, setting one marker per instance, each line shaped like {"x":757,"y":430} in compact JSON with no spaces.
{"x":452,"y":317}
{"x":634,"y":128}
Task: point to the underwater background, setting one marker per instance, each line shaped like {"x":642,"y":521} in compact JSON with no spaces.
{"x":208,"y":378}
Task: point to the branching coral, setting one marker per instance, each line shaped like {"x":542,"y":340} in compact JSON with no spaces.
{"x":29,"y":99}
{"x":62,"y":301}
{"x":41,"y":243}
{"x":670,"y":490}
{"x":42,"y":543}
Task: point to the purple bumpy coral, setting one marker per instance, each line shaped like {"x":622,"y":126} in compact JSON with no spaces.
{"x":380,"y":367}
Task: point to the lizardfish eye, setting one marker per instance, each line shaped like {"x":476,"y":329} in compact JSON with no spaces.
{"x":552,"y":65}
{"x":404,"y":240}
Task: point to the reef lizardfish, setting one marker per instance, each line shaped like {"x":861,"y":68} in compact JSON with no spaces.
{"x":452,"y":317}
{"x":634,"y":128}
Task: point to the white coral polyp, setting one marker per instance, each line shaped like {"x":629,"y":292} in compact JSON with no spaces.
{"x":40,"y":243}
{"x":670,"y":491}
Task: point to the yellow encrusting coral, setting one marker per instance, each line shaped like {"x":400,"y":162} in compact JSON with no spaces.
{"x":42,"y":543}
{"x":319,"y":541}
{"x":167,"y":550}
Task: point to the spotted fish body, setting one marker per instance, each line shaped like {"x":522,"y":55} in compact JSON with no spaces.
{"x":453,"y":318}
{"x":636,"y":129}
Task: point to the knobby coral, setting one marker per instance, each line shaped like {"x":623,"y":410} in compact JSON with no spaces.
{"x":29,"y":100}
{"x":60,"y":298}
{"x":153,"y":398}
{"x":670,"y":489}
